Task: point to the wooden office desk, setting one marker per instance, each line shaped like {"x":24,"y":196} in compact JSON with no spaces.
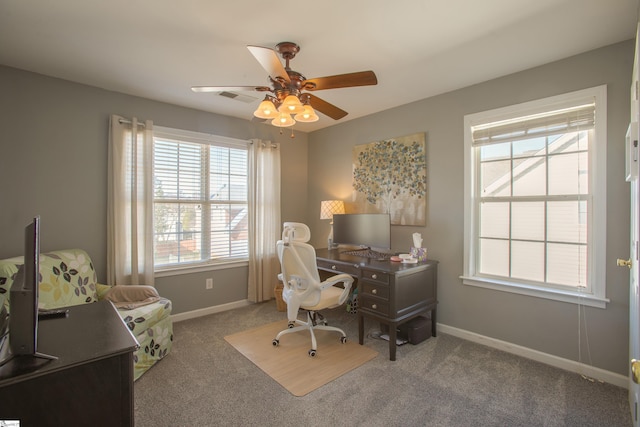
{"x":90,"y":383}
{"x":389,"y":292}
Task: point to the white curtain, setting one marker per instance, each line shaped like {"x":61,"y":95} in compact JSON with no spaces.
{"x":264,"y":219}
{"x":130,"y":202}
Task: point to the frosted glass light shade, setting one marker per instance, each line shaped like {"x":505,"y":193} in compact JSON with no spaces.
{"x":291,"y":105}
{"x":307,"y":116}
{"x":283,"y":120}
{"x":266,"y":110}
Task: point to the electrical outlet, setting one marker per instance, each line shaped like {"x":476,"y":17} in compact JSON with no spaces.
{"x":209,"y":283}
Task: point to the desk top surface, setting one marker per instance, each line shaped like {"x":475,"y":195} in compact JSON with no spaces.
{"x":89,"y":332}
{"x":337,"y":255}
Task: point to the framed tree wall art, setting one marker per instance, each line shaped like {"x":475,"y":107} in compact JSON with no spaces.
{"x":390,"y":176}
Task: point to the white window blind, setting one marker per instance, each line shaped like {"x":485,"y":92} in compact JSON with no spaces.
{"x":200,"y":202}
{"x":566,"y":120}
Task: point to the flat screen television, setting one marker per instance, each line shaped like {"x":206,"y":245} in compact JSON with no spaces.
{"x":372,"y":231}
{"x":23,"y":297}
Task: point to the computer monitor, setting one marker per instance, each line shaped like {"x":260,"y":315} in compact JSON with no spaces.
{"x":365,"y":230}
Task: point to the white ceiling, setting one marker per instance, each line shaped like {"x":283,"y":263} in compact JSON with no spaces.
{"x":158,"y":49}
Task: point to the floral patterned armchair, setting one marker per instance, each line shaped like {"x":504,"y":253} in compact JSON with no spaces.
{"x":68,"y":278}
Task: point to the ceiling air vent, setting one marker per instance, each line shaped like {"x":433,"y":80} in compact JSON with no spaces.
{"x":247,"y":99}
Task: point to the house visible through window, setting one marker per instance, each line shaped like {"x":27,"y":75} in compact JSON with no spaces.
{"x":535,"y":198}
{"x":200,"y":198}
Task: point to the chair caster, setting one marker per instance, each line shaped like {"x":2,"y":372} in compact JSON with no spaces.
{"x":291,"y":325}
{"x":312,"y":353}
{"x":343,"y":340}
{"x":275,"y":342}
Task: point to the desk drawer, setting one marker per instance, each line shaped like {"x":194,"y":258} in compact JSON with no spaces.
{"x":375,"y":276}
{"x":337,"y":267}
{"x":380,"y":291}
{"x":375,"y":305}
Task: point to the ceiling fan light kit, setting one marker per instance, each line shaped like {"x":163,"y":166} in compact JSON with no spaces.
{"x":287,"y":86}
{"x":266,"y":110}
{"x":283,"y":120}
{"x":307,"y":116}
{"x":291,"y":105}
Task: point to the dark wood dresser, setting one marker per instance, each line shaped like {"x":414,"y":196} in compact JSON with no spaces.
{"x":90,"y":382}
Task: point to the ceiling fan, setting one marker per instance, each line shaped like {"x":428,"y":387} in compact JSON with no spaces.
{"x":288,"y":101}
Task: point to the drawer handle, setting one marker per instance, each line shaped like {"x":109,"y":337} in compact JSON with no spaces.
{"x":375,"y":276}
{"x":374,"y":306}
{"x":375,"y":291}
{"x":333,"y":267}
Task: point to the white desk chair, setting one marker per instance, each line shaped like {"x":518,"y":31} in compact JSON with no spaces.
{"x":302,"y":286}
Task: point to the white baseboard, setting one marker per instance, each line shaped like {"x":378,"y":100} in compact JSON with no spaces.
{"x":538,"y":356}
{"x":209,"y":310}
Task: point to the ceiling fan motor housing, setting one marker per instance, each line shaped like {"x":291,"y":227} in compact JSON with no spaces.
{"x":287,"y":50}
{"x":294,"y":87}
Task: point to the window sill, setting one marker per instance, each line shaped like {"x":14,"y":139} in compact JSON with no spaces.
{"x":198,"y":268}
{"x":534,"y":291}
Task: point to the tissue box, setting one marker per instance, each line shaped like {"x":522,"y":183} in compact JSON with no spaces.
{"x":419,"y":253}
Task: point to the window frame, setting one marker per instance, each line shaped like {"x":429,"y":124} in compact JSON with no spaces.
{"x":596,"y":246}
{"x":208,"y":140}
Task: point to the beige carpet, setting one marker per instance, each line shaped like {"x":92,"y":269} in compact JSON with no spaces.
{"x":290,"y":365}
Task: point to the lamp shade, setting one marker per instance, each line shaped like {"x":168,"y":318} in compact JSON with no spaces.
{"x":292,"y":105}
{"x":283,"y":120}
{"x":307,"y":116}
{"x":266,"y":110}
{"x":330,"y":207}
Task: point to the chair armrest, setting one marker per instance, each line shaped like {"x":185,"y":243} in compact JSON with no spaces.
{"x":131,"y":296}
{"x":339,"y":278}
{"x":102,"y":290}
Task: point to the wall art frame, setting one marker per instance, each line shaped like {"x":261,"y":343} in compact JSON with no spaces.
{"x":390,"y":176}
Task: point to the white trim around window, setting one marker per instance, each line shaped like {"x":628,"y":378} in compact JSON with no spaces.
{"x":593,"y":293}
{"x":187,"y":165}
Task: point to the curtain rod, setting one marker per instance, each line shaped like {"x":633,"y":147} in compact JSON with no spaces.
{"x":124,"y":121}
{"x":264,"y":144}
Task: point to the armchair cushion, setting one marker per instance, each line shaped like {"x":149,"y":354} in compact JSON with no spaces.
{"x":8,"y":270}
{"x":66,"y":278}
{"x":102,"y":290}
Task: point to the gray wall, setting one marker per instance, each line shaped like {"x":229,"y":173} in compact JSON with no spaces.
{"x":53,"y":163}
{"x":540,"y":324}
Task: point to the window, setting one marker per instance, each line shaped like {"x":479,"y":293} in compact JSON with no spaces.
{"x":535,"y":198}
{"x":200,"y":198}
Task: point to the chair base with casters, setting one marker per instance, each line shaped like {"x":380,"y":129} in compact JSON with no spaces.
{"x":315,"y":321}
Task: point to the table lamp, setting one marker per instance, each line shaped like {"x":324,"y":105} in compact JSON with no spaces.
{"x":327,"y":209}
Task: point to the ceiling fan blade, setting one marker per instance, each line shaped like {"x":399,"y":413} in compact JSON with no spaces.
{"x":326,"y":108}
{"x":269,"y":60}
{"x":362,"y":78}
{"x":229,"y":88}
